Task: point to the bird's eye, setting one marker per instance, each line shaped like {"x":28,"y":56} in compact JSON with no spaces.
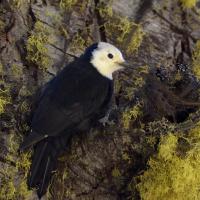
{"x":110,"y":56}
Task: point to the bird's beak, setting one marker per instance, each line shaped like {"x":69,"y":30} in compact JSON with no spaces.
{"x":126,"y":65}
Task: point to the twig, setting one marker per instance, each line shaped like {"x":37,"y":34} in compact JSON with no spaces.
{"x":69,"y":54}
{"x":174,"y":27}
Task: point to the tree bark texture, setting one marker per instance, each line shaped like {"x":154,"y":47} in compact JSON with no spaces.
{"x":39,"y":37}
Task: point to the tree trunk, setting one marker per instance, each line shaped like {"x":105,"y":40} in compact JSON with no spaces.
{"x":38,"y":38}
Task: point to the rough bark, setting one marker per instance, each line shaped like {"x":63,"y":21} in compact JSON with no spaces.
{"x":104,"y":163}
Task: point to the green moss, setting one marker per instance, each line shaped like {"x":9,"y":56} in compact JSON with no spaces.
{"x":37,"y":51}
{"x":171,"y":176}
{"x":67,"y":4}
{"x":188,"y":3}
{"x":13,"y":178}
{"x":131,"y":114}
{"x":4,"y":100}
{"x":196,"y":60}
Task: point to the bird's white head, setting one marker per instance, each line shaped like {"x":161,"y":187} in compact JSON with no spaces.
{"x":107,"y":59}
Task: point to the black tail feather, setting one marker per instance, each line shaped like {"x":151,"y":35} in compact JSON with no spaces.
{"x":44,"y":179}
{"x":39,"y":156}
{"x":43,"y":164}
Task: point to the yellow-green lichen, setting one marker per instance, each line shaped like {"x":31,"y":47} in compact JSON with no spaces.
{"x":116,"y":173}
{"x":105,"y":9}
{"x":126,"y":157}
{"x":137,"y":81}
{"x":135,"y":40}
{"x":67,"y":4}
{"x":60,"y":178}
{"x":13,"y":177}
{"x":16,"y":71}
{"x":63,"y":31}
{"x":37,"y":51}
{"x":1,"y":69}
{"x":4,"y":100}
{"x":188,"y":3}
{"x":127,"y":33}
{"x":80,"y":41}
{"x":25,"y":107}
{"x":131,"y":114}
{"x":121,"y":26}
{"x":77,"y":41}
{"x":2,"y":26}
{"x":151,"y":140}
{"x":196,"y":60}
{"x":171,"y":176}
{"x":16,"y":3}
{"x":130,"y":90}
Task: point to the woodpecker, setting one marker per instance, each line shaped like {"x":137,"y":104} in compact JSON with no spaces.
{"x":71,"y":103}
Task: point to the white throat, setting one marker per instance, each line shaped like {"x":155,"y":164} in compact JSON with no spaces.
{"x":104,"y":68}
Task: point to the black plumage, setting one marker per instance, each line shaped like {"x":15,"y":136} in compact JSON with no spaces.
{"x":71,"y":102}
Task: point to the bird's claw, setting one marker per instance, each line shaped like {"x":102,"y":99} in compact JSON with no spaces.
{"x":105,"y":121}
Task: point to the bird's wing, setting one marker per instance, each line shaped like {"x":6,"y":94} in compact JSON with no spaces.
{"x":72,"y":97}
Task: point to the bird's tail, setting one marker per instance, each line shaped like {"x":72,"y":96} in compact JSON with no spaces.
{"x":44,"y":163}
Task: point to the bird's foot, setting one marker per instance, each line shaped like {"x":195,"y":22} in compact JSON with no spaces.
{"x":105,"y":121}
